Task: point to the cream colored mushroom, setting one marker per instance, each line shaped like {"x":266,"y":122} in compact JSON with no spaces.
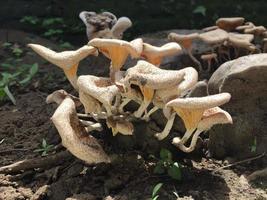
{"x":120,"y":27}
{"x":248,"y":25}
{"x":100,"y":89}
{"x":66,"y":60}
{"x":210,"y":28}
{"x":229,"y":23}
{"x":256,"y":30}
{"x":150,"y":78}
{"x":191,"y":110}
{"x":154,"y":54}
{"x":210,"y":118}
{"x":186,"y":41}
{"x":118,"y":51}
{"x":208,"y":58}
{"x":120,"y":126}
{"x":74,"y":136}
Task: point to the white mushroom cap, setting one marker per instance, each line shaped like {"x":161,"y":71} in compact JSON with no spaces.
{"x":74,"y":136}
{"x":229,"y":23}
{"x":257,"y":30}
{"x":247,"y":25}
{"x":200,"y":102}
{"x":155,"y":54}
{"x":120,"y":26}
{"x":241,"y":40}
{"x":214,"y":37}
{"x":184,"y":40}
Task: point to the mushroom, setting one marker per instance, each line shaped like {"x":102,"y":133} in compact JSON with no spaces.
{"x":238,"y":40}
{"x":210,"y":28}
{"x":150,"y":78}
{"x":120,"y":126}
{"x":74,"y":136}
{"x":66,"y":60}
{"x":208,"y":58}
{"x":256,"y":30}
{"x":99,"y":88}
{"x":120,"y":27}
{"x":247,"y":25}
{"x":155,"y":54}
{"x":186,"y":41}
{"x":210,"y":118}
{"x":191,"y":110}
{"x":118,"y":51}
{"x":229,"y":23}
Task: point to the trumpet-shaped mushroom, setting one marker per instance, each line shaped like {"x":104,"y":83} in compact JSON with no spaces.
{"x":99,"y":88}
{"x":66,"y":60}
{"x":120,"y":126}
{"x":210,"y":118}
{"x":229,"y":23}
{"x":186,"y":41}
{"x":208,"y":58}
{"x":191,"y":110}
{"x":104,"y":25}
{"x":150,"y":78}
{"x":118,"y":51}
{"x":74,"y":136}
{"x":155,"y":54}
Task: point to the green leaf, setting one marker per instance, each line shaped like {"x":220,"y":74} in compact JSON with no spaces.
{"x":44,"y":153}
{"x":159,"y":169}
{"x":165,"y":154}
{"x":10,"y":95}
{"x":34,"y":69}
{"x":156,"y":197}
{"x":2,"y":94}
{"x":174,"y":171}
{"x":156,"y":190}
{"x":200,"y":10}
{"x":44,"y":143}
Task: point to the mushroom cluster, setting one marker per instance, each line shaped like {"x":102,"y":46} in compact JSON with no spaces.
{"x":104,"y":98}
{"x":230,"y":38}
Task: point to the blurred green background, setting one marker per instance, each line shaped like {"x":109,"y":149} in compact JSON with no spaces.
{"x":147,"y":15}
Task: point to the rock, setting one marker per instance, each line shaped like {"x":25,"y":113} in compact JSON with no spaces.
{"x":246,"y":80}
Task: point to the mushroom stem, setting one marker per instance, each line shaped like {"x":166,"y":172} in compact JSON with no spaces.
{"x":195,"y":60}
{"x":167,"y":129}
{"x":124,"y":103}
{"x":151,"y":111}
{"x":141,"y":109}
{"x":91,"y":126}
{"x":192,"y":144}
{"x":177,"y":141}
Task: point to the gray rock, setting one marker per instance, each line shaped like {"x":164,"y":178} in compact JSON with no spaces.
{"x":246,"y":80}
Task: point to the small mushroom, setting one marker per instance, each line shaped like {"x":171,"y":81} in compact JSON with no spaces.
{"x":229,"y":23}
{"x":191,"y":110}
{"x":66,"y":60}
{"x":208,"y":58}
{"x":99,"y":88}
{"x":74,"y":136}
{"x":120,"y":126}
{"x":155,"y":54}
{"x":248,"y":25}
{"x":256,"y":30}
{"x":120,"y":27}
{"x":118,"y":51}
{"x":210,"y":118}
{"x":186,"y":41}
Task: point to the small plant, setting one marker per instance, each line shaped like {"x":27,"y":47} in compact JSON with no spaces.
{"x":253,"y":147}
{"x":200,"y":10}
{"x":166,"y":165}
{"x":155,"y":192}
{"x":33,"y":20}
{"x":45,"y":148}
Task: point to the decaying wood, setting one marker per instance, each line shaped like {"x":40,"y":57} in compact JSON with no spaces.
{"x":43,"y":162}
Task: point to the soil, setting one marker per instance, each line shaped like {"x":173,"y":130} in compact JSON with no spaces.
{"x":24,"y":126}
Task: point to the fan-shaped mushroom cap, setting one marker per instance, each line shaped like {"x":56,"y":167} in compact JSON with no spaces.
{"x":74,"y":136}
{"x":214,"y":37}
{"x":120,"y":126}
{"x":247,"y":25}
{"x":99,"y":88}
{"x":241,"y":40}
{"x":148,"y":75}
{"x":117,"y":51}
{"x":66,"y":60}
{"x":120,"y":26}
{"x":155,"y":54}
{"x":184,"y":40}
{"x":256,"y":30}
{"x":229,"y":23}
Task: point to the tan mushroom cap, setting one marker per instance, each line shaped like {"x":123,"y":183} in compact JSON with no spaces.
{"x":209,"y":56}
{"x":66,"y":60}
{"x":210,"y":28}
{"x":241,"y":40}
{"x":148,"y":75}
{"x":200,"y":102}
{"x":247,"y":25}
{"x":229,"y":23}
{"x":257,"y":30}
{"x":184,"y":40}
{"x":214,"y":37}
{"x":155,"y":54}
{"x":74,"y":136}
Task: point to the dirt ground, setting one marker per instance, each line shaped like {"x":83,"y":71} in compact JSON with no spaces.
{"x":22,"y":128}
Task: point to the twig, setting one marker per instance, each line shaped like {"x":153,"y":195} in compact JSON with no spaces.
{"x":44,"y":162}
{"x":240,"y":162}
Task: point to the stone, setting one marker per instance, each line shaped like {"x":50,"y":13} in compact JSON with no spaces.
{"x":246,"y":80}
